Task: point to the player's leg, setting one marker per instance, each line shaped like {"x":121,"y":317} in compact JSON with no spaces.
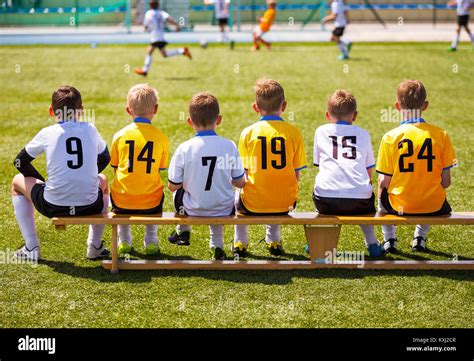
{"x":24,"y":214}
{"x":151,"y":240}
{"x":468,"y":31}
{"x":272,"y":239}
{"x":419,"y":238}
{"x":217,"y":241}
{"x":148,"y":60}
{"x":455,"y":42}
{"x":342,"y":47}
{"x":371,"y":242}
{"x":265,"y":43}
{"x":182,"y":234}
{"x":389,"y":231}
{"x":175,"y":52}
{"x":95,"y":245}
{"x":257,"y":33}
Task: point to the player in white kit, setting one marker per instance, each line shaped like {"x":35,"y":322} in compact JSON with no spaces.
{"x":462,"y":10}
{"x":343,"y":152}
{"x":202,"y":173}
{"x":339,"y":16}
{"x":75,"y":155}
{"x":154,"y":22}
{"x":221,"y":10}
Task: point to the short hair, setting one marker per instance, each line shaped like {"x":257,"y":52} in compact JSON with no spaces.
{"x":411,"y":94}
{"x":142,"y":99}
{"x":66,"y":101}
{"x":154,"y":4}
{"x":342,"y":103}
{"x":269,"y":95}
{"x":204,"y":109}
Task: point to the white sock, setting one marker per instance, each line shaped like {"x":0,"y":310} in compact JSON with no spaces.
{"x":174,"y":52}
{"x":96,"y":231}
{"x":217,"y":236}
{"x":180,"y":228}
{"x":342,"y":48}
{"x":389,"y":231}
{"x":455,"y":42}
{"x":241,"y":233}
{"x":422,"y":230}
{"x":148,"y":61}
{"x":124,"y":234}
{"x":369,"y":234}
{"x":25,"y":216}
{"x":272,"y":233}
{"x":151,"y":235}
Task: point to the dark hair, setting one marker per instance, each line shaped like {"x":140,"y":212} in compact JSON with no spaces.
{"x":154,"y":4}
{"x":204,"y":109}
{"x":66,"y":100}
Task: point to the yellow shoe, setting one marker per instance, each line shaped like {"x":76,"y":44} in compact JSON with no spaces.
{"x":124,"y":248}
{"x":238,"y":248}
{"x":275,"y":248}
{"x":152,"y":249}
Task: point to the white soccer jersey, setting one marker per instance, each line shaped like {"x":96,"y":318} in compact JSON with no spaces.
{"x":339,"y":8}
{"x":221,"y":8}
{"x":343,"y":153}
{"x":71,"y":150}
{"x":462,"y":7}
{"x":155,"y":21}
{"x":206,"y":165}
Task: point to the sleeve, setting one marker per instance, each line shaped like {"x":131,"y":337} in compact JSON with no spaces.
{"x":176,"y":169}
{"x":299,"y":160}
{"x":114,"y":157}
{"x":166,"y":154}
{"x":103,"y":159}
{"x":334,"y":7}
{"x":370,"y":159}
{"x":238,"y":170}
{"x":147,"y":19}
{"x":316,"y":154}
{"x":384,"y":159}
{"x":449,"y":156}
{"x":101,"y":144}
{"x":37,"y":145}
{"x":23,"y":164}
{"x":165,"y":15}
{"x":243,"y":151}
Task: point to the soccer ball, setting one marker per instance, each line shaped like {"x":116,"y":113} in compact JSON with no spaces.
{"x":203,"y":44}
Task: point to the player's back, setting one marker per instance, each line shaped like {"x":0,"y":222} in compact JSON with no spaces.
{"x":206,"y":165}
{"x":415,"y":155}
{"x":271,"y":150}
{"x":139,"y":151}
{"x":269,"y":18}
{"x":71,"y":150}
{"x":343,"y":152}
{"x":155,"y":20}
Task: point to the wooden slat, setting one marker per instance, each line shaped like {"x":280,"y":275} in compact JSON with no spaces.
{"x":308,"y":218}
{"x":286,"y":265}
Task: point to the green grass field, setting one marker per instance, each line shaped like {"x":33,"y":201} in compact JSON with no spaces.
{"x":66,"y":290}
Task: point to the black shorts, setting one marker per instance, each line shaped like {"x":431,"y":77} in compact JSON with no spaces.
{"x":344,"y":206}
{"x":243,"y":210}
{"x":50,"y":210}
{"x":156,"y":210}
{"x":159,"y":44}
{"x":463,"y":20}
{"x":179,"y":204}
{"x":223,"y":21}
{"x":339,"y":31}
{"x":445,"y":208}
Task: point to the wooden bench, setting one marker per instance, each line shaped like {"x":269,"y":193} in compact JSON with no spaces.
{"x":322,"y":234}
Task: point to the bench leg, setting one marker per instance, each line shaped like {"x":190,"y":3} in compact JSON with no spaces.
{"x":321,"y":239}
{"x":114,"y":268}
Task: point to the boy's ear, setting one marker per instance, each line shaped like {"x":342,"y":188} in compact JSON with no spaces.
{"x":328,"y":116}
{"x":397,"y":105}
{"x":354,"y":117}
{"x":255,"y":108}
{"x":283,"y":106}
{"x":127,"y":109}
{"x":425,"y":105}
{"x":51,"y":111}
{"x":219,"y":119}
{"x":156,"y":109}
{"x":190,"y":122}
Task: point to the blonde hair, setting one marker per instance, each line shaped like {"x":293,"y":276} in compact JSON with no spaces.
{"x":411,"y":94}
{"x":342,"y":103}
{"x":142,"y":99}
{"x":204,"y":109}
{"x":269,"y":95}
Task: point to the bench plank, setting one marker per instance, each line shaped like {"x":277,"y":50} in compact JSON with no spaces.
{"x":305,"y":218}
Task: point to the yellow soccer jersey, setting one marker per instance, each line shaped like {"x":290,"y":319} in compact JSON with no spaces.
{"x":415,"y":155}
{"x":271,"y":150}
{"x":139,"y":152}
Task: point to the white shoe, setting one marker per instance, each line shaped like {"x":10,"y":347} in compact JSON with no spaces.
{"x":25,"y":254}
{"x":96,"y":253}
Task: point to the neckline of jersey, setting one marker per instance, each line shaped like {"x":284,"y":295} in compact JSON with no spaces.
{"x":142,"y":120}
{"x":413,"y":121}
{"x":271,"y":117}
{"x":343,"y":122}
{"x":205,"y":133}
{"x":68,"y":121}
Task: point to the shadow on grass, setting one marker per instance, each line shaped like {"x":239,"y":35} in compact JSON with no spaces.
{"x":99,"y":274}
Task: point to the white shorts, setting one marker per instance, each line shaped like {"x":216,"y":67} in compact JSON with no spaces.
{"x":258,"y":32}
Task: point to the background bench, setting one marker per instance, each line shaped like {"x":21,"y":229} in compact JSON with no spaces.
{"x":322,"y":234}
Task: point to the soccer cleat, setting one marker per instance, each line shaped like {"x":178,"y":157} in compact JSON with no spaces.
{"x":180,"y":239}
{"x":232,"y":45}
{"x":390,"y":245}
{"x":343,"y":57}
{"x":124,"y":248}
{"x":349,"y":47}
{"x":187,"y":53}
{"x":24,"y":253}
{"x":238,"y":248}
{"x":97,"y":253}
{"x":275,"y":248}
{"x":306,"y":249}
{"x":152,"y":249}
{"x":140,"y":71}
{"x":419,"y":244}
{"x":375,"y":250}
{"x":255,"y":48}
{"x":217,"y":254}
{"x":452,"y":49}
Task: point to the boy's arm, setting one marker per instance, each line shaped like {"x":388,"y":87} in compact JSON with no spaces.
{"x":239,"y":183}
{"x":176,"y":171}
{"x":103,"y":160}
{"x":328,"y":18}
{"x":173,"y":187}
{"x":23,"y":164}
{"x":446,"y":178}
{"x":171,"y":21}
{"x":384,"y":182}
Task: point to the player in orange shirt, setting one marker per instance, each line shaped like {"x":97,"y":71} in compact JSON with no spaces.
{"x":414,"y":163}
{"x":266,"y":22}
